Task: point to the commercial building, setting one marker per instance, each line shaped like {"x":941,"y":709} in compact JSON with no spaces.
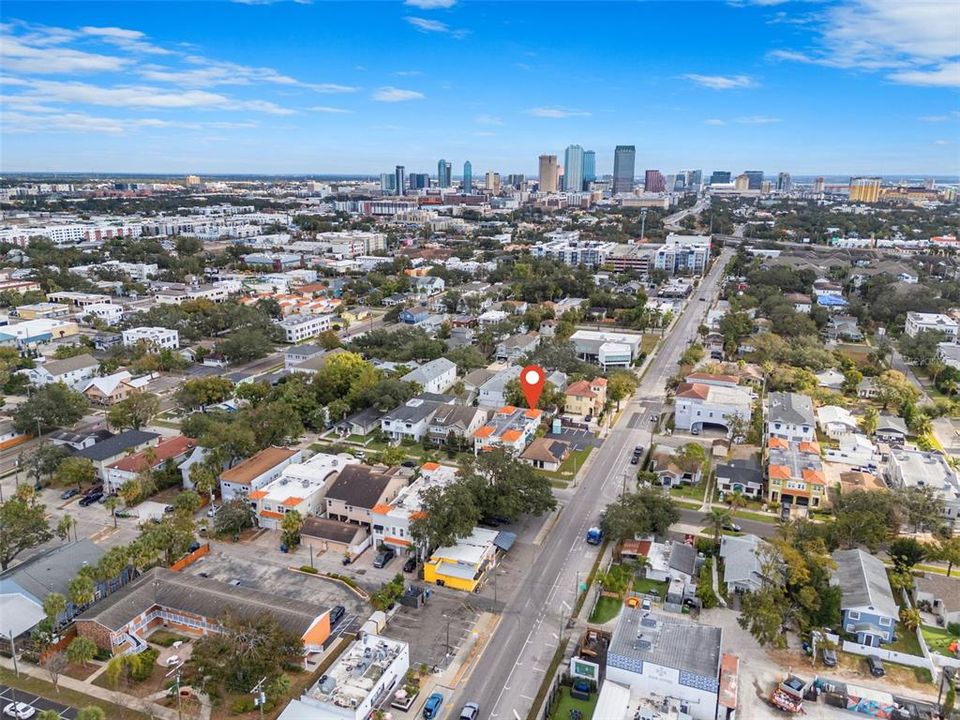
{"x":303,"y":327}
{"x":391,"y":521}
{"x":607,"y":349}
{"x":589,"y":168}
{"x":463,"y":566}
{"x":359,"y":681}
{"x":718,"y":404}
{"x":467,"y":184}
{"x":156,"y":338}
{"x":567,"y":247}
{"x":573,"y":169}
{"x":388,"y":183}
{"x":398,"y":180}
{"x":754,"y":179}
{"x":720,"y":177}
{"x":492,"y":182}
{"x":865,"y":190}
{"x":548,"y":173}
{"x":256,"y":472}
{"x":918,"y":322}
{"x":624,"y":168}
{"x":683,"y":255}
{"x":667,"y":656}
{"x":653,"y":181}
{"x":443,"y":174}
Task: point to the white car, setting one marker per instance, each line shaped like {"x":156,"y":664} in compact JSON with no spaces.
{"x":173,"y":660}
{"x":19,"y":710}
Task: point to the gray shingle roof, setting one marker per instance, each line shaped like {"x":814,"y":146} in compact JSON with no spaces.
{"x":683,"y":557}
{"x":59,"y":367}
{"x":429,"y":371}
{"x":53,"y":570}
{"x":359,"y":486}
{"x":202,"y":596}
{"x":117,"y":444}
{"x":863,"y":581}
{"x":790,"y":408}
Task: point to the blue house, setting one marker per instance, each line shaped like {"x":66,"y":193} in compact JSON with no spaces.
{"x":867,"y":605}
{"x":412,"y":316}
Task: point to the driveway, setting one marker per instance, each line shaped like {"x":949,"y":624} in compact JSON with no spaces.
{"x":578,"y":439}
{"x":9,"y":695}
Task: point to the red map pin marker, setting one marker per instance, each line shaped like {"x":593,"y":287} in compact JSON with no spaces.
{"x":532,"y":378}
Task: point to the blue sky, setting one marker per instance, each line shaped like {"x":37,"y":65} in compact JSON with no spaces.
{"x":859,"y":86}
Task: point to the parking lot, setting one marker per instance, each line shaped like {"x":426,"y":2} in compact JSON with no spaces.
{"x":578,"y":439}
{"x":446,"y":617}
{"x":9,"y":695}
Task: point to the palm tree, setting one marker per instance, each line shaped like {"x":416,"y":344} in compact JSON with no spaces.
{"x":870,"y":419}
{"x":736,"y":500}
{"x":935,"y":368}
{"x":111,"y":504}
{"x":716,"y":519}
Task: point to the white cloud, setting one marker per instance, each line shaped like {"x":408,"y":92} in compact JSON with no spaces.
{"x":426,"y":25}
{"x":554,"y":112}
{"x":212,"y":73}
{"x":331,"y":110}
{"x":407,"y":73}
{"x":943,"y":142}
{"x":721,"y":82}
{"x":714,"y":121}
{"x":392,"y":94}
{"x":918,"y":39}
{"x":430,"y":4}
{"x":947,"y":75}
{"x":139,"y":97}
{"x":757,"y":120}
{"x":28,"y":59}
{"x":488,"y":120}
{"x":485,"y":133}
{"x":130,"y":40}
{"x":933,"y":118}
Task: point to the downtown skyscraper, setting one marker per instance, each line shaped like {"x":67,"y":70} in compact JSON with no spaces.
{"x":548,"y":173}
{"x":443,"y":174}
{"x":400,"y":179}
{"x":573,"y":169}
{"x":624,"y":168}
{"x":467,"y":177}
{"x":589,"y":168}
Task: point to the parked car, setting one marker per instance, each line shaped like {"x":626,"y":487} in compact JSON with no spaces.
{"x":645,"y":604}
{"x":336,"y":614}
{"x":19,"y":710}
{"x":470,"y":711}
{"x":432,"y":707}
{"x":90,"y":499}
{"x":635,"y":460}
{"x":410,"y":565}
{"x":384,"y":557}
{"x":829,"y":657}
{"x":875,"y":665}
{"x":733,"y":527}
{"x":235,"y":582}
{"x":93,"y":490}
{"x":67,"y":494}
{"x":173,"y":660}
{"x":168,"y":508}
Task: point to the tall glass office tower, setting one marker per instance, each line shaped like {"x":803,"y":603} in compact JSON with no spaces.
{"x":624,"y":168}
{"x":573,"y":169}
{"x":443,"y":174}
{"x":589,"y":168}
{"x":467,"y":177}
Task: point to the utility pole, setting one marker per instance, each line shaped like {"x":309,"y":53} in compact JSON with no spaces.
{"x":261,"y":698}
{"x":13,"y":653}
{"x":176,"y":671}
{"x":643,"y":223}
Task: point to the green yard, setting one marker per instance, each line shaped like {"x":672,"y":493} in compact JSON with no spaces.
{"x":607,"y":609}
{"x":906,"y":642}
{"x":645,"y":585}
{"x":938,"y":639}
{"x":694,"y":492}
{"x":649,"y":343}
{"x":569,"y":467}
{"x":565,"y":704}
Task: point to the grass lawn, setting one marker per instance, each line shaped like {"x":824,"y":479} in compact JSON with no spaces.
{"x":566,"y":471}
{"x":645,"y":585}
{"x":607,"y":609}
{"x":906,"y":642}
{"x":938,"y":639}
{"x":759,"y":517}
{"x":565,"y":703}
{"x":649,"y":343}
{"x":694,"y":492}
{"x":66,"y":696}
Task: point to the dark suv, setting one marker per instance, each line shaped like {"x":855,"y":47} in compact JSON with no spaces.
{"x":384,"y":557}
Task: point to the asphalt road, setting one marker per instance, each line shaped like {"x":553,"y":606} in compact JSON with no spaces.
{"x":509,"y":672}
{"x":754,"y":527}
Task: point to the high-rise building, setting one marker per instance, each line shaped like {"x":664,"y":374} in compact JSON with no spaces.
{"x":818,"y":184}
{"x":467,"y":177}
{"x":399,"y":173}
{"x":516,"y":181}
{"x":784,"y":182}
{"x":742,"y":182}
{"x":548,"y":173}
{"x":680,"y":182}
{"x":653,"y":181}
{"x":694,"y":180}
{"x":589,"y":168}
{"x":719,"y":177}
{"x":419,"y":181}
{"x":864,"y":189}
{"x":755,"y":177}
{"x":492,"y":183}
{"x":624,"y":161}
{"x":928,"y":183}
{"x":193,"y":180}
{"x":443,"y":174}
{"x":766,"y":187}
{"x":388,"y":183}
{"x":573,"y":169}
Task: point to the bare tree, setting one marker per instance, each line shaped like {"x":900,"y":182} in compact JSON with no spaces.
{"x":54,"y":664}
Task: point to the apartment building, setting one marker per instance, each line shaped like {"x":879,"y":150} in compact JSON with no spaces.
{"x":297,"y":328}
{"x":156,"y":338}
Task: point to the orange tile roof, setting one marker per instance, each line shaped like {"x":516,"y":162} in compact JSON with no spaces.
{"x":511,"y":436}
{"x":532,"y":413}
{"x":431,"y":466}
{"x":418,"y":515}
{"x":599,"y":381}
{"x":581,"y":388}
{"x":292,"y":501}
{"x":257,"y":494}
{"x":484,"y":432}
{"x":162,"y":451}
{"x":780,"y":472}
{"x":693,"y":390}
{"x":318,"y":632}
{"x":396,"y":541}
{"x":813,"y":476}
{"x":507,"y":410}
{"x":722,"y":378}
{"x":810,"y":447}
{"x":380,"y":509}
{"x":271,"y":514}
{"x":776,"y":442}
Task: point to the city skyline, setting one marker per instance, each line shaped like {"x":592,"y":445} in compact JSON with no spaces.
{"x":807,"y":88}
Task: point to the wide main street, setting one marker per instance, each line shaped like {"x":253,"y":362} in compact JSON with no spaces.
{"x":508,"y":674}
